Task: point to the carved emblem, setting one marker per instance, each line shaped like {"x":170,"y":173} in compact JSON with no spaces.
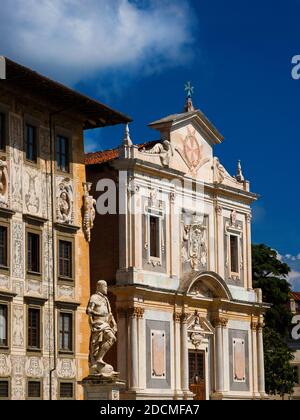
{"x":89,"y":211}
{"x":64,"y":202}
{"x":194,"y":248}
{"x":197,"y":333}
{"x":191,"y":152}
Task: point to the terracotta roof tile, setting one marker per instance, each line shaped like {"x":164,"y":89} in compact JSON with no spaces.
{"x":295,"y":296}
{"x":97,"y":158}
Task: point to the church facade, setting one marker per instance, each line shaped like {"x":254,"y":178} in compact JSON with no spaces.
{"x":175,"y":249}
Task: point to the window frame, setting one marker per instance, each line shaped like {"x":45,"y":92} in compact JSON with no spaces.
{"x":72,"y":382}
{"x":6,"y":224}
{"x":9,"y":388}
{"x":238,"y":256}
{"x":4,"y":109}
{"x":158,"y":214}
{"x":65,"y":237}
{"x":33,"y":380}
{"x":32,"y":306}
{"x":7,"y":347}
{"x":35,"y":123}
{"x":67,"y":153}
{"x":38,"y":232}
{"x":60,"y":312}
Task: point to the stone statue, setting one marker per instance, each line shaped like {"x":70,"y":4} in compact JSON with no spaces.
{"x":163,"y":150}
{"x":103,"y":332}
{"x":219,"y":172}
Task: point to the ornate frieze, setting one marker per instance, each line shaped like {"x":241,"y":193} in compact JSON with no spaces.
{"x":5,"y":365}
{"x":34,"y":367}
{"x":66,"y":368}
{"x":136,"y":312}
{"x":18,"y":250}
{"x":16,"y":136}
{"x":18,"y":326}
{"x":89,"y":212}
{"x":64,"y":201}
{"x":32,"y":189}
{"x":4,"y":183}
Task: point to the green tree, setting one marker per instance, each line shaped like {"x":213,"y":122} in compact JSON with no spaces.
{"x":270,"y":275}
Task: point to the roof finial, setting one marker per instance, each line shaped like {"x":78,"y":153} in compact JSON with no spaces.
{"x":240,"y":177}
{"x":189,"y":89}
{"x":127,"y":142}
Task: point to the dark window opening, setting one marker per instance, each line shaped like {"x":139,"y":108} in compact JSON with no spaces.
{"x":3,"y":326}
{"x":34,"y":326}
{"x":65,"y":259}
{"x":62,"y":154}
{"x":66,"y":390}
{"x":65,"y":332}
{"x":4,"y":389}
{"x":2,"y":132}
{"x":34,"y":389}
{"x":31,"y":143}
{"x":234,"y":253}
{"x":154,"y":237}
{"x":33,"y":253}
{"x":3,"y":246}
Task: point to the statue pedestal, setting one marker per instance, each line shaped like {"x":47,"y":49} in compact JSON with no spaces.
{"x":100,"y":389}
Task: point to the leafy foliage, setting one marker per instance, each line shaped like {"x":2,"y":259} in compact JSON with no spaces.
{"x":270,"y":275}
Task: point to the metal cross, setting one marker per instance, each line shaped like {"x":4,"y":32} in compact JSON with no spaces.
{"x":189,"y":89}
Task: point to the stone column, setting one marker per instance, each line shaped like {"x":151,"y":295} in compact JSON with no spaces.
{"x":177,"y":352}
{"x":184,"y":354}
{"x":249,"y":251}
{"x":141,"y":348}
{"x":134,"y":361}
{"x":219,"y":324}
{"x":261,"y":361}
{"x":219,"y":251}
{"x":254,"y":356}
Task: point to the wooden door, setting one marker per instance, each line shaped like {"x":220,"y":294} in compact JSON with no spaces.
{"x":197,"y":374}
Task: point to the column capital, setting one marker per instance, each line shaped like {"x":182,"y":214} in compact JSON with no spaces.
{"x":177,"y":317}
{"x":254,"y":325}
{"x":219,"y":210}
{"x":184,"y":318}
{"x":136,"y":312}
{"x":220,"y":322}
{"x":260,"y":326}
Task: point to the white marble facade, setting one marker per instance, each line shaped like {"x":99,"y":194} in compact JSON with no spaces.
{"x":195,"y":295}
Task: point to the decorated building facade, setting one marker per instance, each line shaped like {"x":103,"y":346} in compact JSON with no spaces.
{"x":46,"y":215}
{"x":175,"y":249}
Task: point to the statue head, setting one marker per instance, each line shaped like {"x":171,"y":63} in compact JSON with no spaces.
{"x":102,"y":287}
{"x":166,"y":145}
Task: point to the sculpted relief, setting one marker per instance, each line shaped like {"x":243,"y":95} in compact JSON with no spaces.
{"x":32,"y":189}
{"x":191,"y":151}
{"x":3,"y":184}
{"x":64,"y":201}
{"x":195,"y":243}
{"x":89,"y":213}
{"x":163,"y":150}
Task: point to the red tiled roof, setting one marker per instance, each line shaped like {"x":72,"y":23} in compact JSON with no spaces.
{"x":101,"y":157}
{"x":98,"y":158}
{"x":295,"y":296}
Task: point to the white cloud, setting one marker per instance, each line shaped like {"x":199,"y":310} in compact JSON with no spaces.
{"x":75,"y":39}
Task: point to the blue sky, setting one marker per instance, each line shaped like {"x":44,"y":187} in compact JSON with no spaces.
{"x":137,"y":55}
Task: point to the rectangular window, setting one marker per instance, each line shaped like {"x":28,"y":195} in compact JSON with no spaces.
{"x":62,"y":154}
{"x":34,"y":326}
{"x":66,"y":390}
{"x":3,"y":246}
{"x":34,"y":390}
{"x":4,"y":389}
{"x":234,"y":253}
{"x":65,"y":332}
{"x":2,"y":132}
{"x":65,"y":259}
{"x":154,"y":237}
{"x":33,"y":253}
{"x":3,"y":326}
{"x":31,"y":143}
